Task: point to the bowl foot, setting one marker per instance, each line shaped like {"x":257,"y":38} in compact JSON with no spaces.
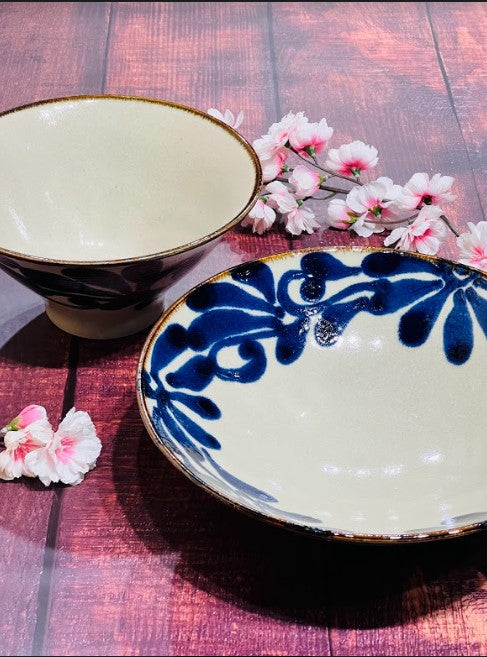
{"x":103,"y":324}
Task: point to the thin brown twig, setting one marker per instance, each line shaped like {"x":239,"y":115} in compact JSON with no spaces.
{"x":324,"y":198}
{"x":332,"y":174}
{"x":335,"y":190}
{"x":448,"y":223}
{"x":397,"y":221}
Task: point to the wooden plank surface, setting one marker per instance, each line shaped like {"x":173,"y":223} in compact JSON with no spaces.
{"x":136,"y":560}
{"x":46,"y":50}
{"x":393,"y":95}
{"x":460,"y":33}
{"x":375,"y":74}
{"x":33,"y":367}
{"x":149,"y":532}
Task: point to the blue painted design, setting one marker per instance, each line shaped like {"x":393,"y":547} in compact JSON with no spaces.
{"x":251,"y":307}
{"x":240,"y":485}
{"x":109,"y":287}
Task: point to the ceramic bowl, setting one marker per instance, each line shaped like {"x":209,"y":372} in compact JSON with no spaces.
{"x":334,"y":392}
{"x":105,"y":201}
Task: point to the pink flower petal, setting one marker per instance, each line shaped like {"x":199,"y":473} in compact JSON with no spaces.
{"x":473,"y":245}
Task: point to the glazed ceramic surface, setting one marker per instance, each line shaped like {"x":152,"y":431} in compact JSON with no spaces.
{"x":334,"y":392}
{"x":104,"y":200}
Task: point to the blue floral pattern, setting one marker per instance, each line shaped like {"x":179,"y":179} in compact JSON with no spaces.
{"x":103,"y":287}
{"x":251,"y":307}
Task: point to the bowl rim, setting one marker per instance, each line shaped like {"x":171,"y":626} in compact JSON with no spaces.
{"x":168,"y":252}
{"x":322,"y":533}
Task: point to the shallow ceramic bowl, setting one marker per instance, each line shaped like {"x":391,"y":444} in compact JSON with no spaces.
{"x":105,"y":201}
{"x":334,"y":392}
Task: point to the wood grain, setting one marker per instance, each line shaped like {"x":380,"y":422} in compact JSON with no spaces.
{"x":205,"y":55}
{"x":460,"y":32}
{"x":33,"y":368}
{"x":51,"y":49}
{"x":138,"y":560}
{"x":154,"y":560}
{"x":46,"y":50}
{"x":374,"y":73}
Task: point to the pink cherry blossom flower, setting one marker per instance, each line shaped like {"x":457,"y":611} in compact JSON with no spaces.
{"x":70,"y":454}
{"x":281,"y":198}
{"x":282,"y":130}
{"x":340,"y":215}
{"x":310,"y":138}
{"x":261,"y":217}
{"x":300,"y":220}
{"x":265,"y":147}
{"x":272,"y":167}
{"x":19,"y":444}
{"x":375,"y":200}
{"x":352,"y":159}
{"x":278,"y":135}
{"x":305,"y":181}
{"x":227,"y":117}
{"x":473,"y":245}
{"x":28,"y":415}
{"x":420,"y":190}
{"x":424,"y":235}
{"x":365,"y":228}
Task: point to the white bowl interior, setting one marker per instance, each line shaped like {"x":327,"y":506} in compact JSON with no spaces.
{"x":107,"y":178}
{"x":367,"y":436}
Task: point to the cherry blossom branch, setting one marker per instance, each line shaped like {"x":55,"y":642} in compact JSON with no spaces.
{"x":334,"y":174}
{"x":305,"y":159}
{"x":329,"y":188}
{"x":406,"y":220}
{"x":335,"y":190}
{"x":366,"y":207}
{"x":388,"y":224}
{"x":324,"y":198}
{"x":330,"y":174}
{"x":326,"y":188}
{"x":444,"y":218}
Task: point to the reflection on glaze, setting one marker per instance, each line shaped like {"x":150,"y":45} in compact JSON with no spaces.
{"x":432,"y":457}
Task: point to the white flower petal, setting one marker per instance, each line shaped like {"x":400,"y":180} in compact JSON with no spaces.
{"x":281,"y":199}
{"x":215,"y":113}
{"x":300,"y":220}
{"x":43,"y":464}
{"x":70,"y":453}
{"x":305,"y":135}
{"x":238,"y":120}
{"x":352,"y":158}
{"x":227,"y":117}
{"x":473,"y":245}
{"x":420,"y":188}
{"x":395,"y":236}
{"x":305,"y":181}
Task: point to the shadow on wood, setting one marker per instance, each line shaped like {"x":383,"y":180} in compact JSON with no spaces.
{"x":271,"y":571}
{"x":37,"y":344}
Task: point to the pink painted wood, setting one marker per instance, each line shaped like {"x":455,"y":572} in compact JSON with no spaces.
{"x":136,"y":560}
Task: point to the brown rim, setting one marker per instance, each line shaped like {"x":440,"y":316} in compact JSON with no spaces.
{"x":169,"y":252}
{"x":328,"y":534}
